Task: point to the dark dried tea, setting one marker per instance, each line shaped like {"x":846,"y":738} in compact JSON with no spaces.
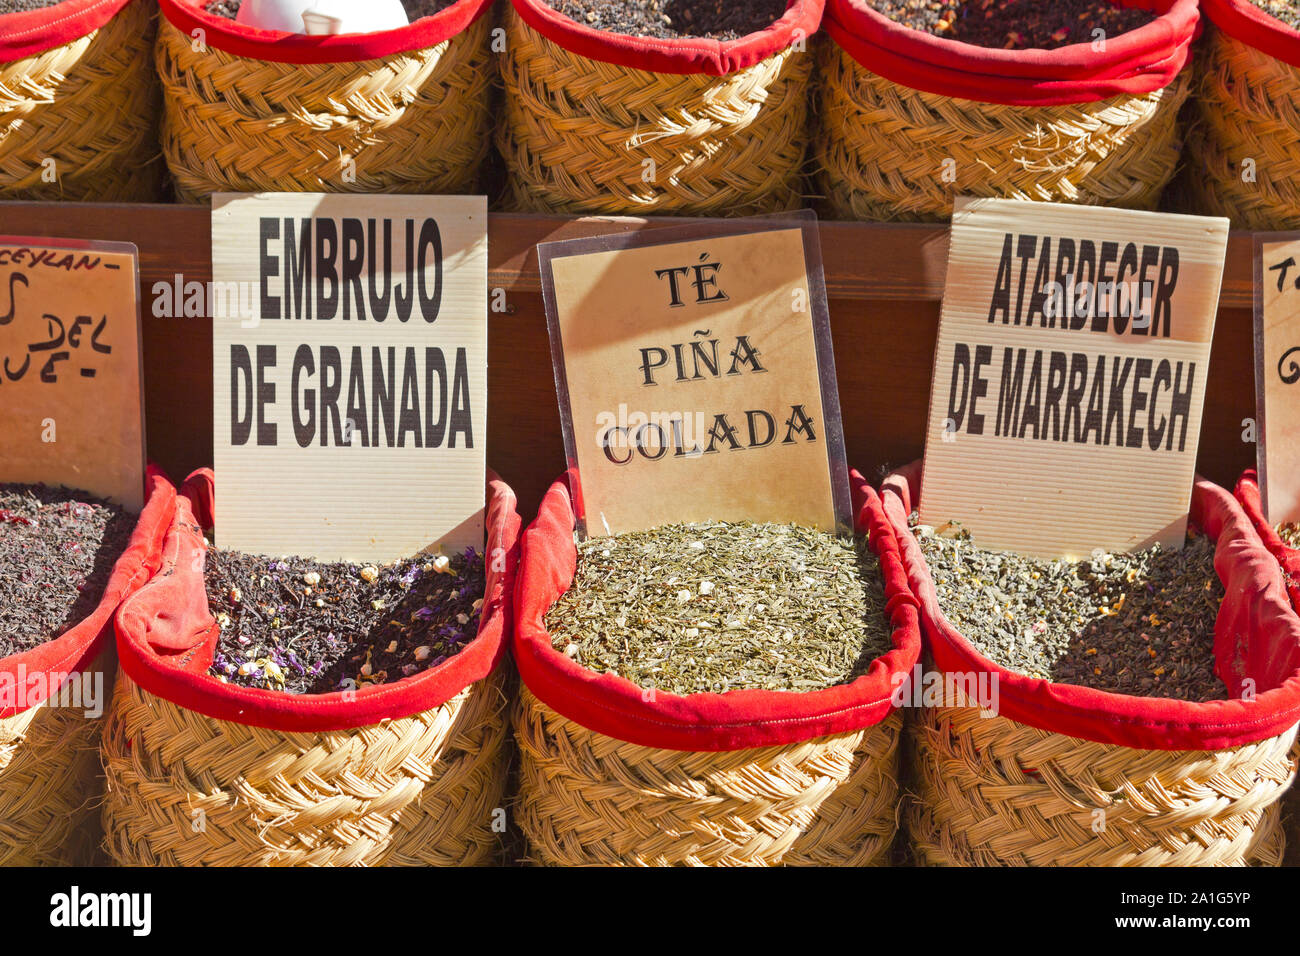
{"x":1288,"y":11}
{"x":1015,"y":24}
{"x":57,"y":551}
{"x":667,"y":19}
{"x":305,"y":627}
{"x":720,"y":606}
{"x":1140,"y":624}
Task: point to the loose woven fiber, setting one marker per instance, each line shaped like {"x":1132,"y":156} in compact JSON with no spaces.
{"x":886,"y":151}
{"x":50,"y":780}
{"x":188,"y":790}
{"x":89,"y":106}
{"x":994,"y":792}
{"x":588,"y":799}
{"x":583,"y":135}
{"x":1248,"y":108}
{"x":412,"y":122}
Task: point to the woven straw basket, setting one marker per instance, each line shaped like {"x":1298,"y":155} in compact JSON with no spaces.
{"x":51,"y":781}
{"x":408,"y":112}
{"x":594,"y":126}
{"x":1248,"y":108}
{"x":891,"y":150}
{"x":609,"y":775}
{"x":202,"y":773}
{"x":84,"y":111}
{"x":588,"y":799}
{"x":185,"y":789}
{"x":994,"y":792}
{"x":1062,"y":775}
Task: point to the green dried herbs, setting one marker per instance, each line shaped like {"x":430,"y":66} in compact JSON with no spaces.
{"x":721,"y":606}
{"x":1140,"y":624}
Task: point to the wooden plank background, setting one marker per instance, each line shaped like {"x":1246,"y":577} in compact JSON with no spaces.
{"x":884,"y":282}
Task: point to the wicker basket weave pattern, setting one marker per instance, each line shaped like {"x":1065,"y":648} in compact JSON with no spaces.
{"x":994,"y":792}
{"x":1248,"y":108}
{"x":584,"y":135}
{"x":50,"y":786}
{"x":589,"y":799}
{"x":91,"y":107}
{"x":185,"y":789}
{"x":410,"y":122}
{"x":886,"y":151}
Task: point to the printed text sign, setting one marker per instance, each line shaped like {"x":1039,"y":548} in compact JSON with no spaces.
{"x":1277,"y":345}
{"x":1070,"y":370}
{"x":698,"y":378}
{"x":349,"y":373}
{"x":70,"y":400}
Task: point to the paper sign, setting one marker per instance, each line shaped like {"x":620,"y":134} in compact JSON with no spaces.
{"x":349,"y":373}
{"x":71,"y":410}
{"x":695,"y":376}
{"x":1277,"y":374}
{"x":1069,"y":375}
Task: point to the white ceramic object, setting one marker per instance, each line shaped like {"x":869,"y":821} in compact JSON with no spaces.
{"x":317,"y":17}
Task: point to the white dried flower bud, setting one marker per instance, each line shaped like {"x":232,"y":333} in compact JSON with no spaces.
{"x":706,"y":587}
{"x":369,"y":574}
{"x":422,"y":652}
{"x":311,"y":579}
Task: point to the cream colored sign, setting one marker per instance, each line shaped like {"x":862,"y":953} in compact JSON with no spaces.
{"x":1069,"y":375}
{"x":70,"y":402}
{"x":693,"y":382}
{"x":1277,"y":344}
{"x":349,"y":354}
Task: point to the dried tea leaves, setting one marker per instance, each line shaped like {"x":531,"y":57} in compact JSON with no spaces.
{"x":670,"y":19}
{"x":1288,"y":11}
{"x":721,"y":606}
{"x":57,"y":551}
{"x":1015,"y":24}
{"x":309,"y":628}
{"x":1140,"y":624}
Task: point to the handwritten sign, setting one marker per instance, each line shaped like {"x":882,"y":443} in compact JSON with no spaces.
{"x":1277,"y":374}
{"x":695,"y":376}
{"x":1070,"y":372}
{"x":71,"y":411}
{"x":350,"y":373}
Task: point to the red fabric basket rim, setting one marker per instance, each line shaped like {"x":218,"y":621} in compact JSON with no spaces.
{"x":735,"y":720}
{"x":1147,"y":723}
{"x":280,"y":47}
{"x":1248,"y":495}
{"x":78,"y":646}
{"x":1248,"y":23}
{"x":656,"y":55}
{"x":26,"y":33}
{"x":308,"y":713}
{"x":1136,"y":62}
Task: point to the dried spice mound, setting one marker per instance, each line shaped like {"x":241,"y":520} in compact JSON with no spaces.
{"x":16,"y":6}
{"x":57,"y":550}
{"x":722,"y":606}
{"x":1288,"y":11}
{"x":415,"y":9}
{"x":1015,"y":24}
{"x":1139,"y":624}
{"x":671,"y":19}
{"x":304,"y":627}
{"x":1290,"y":535}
